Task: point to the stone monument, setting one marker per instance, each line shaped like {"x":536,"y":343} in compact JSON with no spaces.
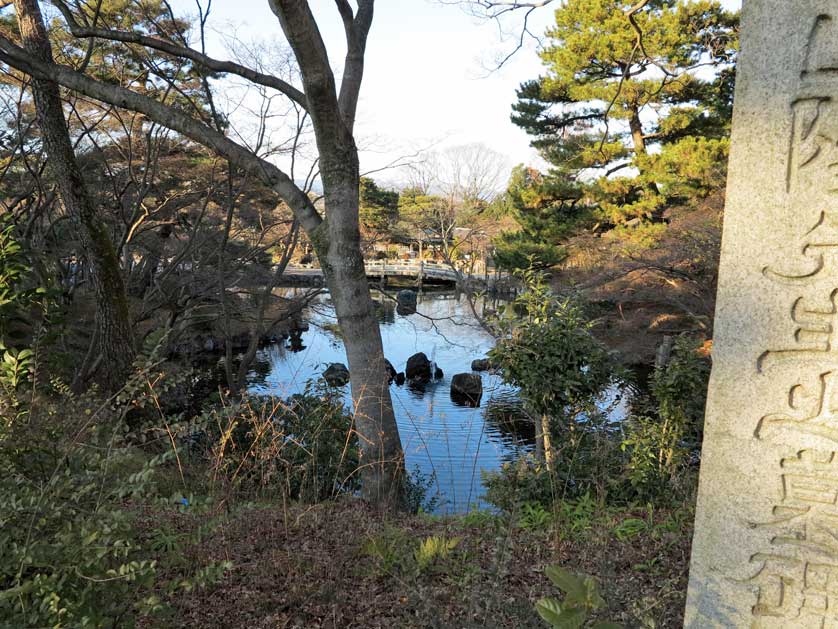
{"x":765,"y":551}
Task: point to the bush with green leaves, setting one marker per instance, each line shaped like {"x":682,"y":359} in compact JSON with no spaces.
{"x":663,"y":440}
{"x":15,"y":295}
{"x":15,"y":361}
{"x":303,"y":447}
{"x":540,"y":326}
{"x":525,"y":481}
{"x":419,"y":495}
{"x":589,"y":461}
{"x":73,"y":485}
{"x":69,"y":552}
{"x":546,"y":349}
{"x":581,"y":599}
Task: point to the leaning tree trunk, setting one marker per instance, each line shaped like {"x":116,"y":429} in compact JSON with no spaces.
{"x":112,"y":337}
{"x":338,"y":246}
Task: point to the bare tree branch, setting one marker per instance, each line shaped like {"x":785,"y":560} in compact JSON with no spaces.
{"x":156,"y":43}
{"x":171,"y":118}
{"x":494,"y":9}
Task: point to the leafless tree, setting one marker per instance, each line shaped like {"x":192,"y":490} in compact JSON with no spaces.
{"x":459,"y":182}
{"x":512,"y":18}
{"x":471,"y":173}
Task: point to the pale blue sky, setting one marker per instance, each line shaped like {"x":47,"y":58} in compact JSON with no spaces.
{"x":425,"y":81}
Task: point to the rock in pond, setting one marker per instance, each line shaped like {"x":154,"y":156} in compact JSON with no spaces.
{"x":336,"y":375}
{"x":391,"y":371}
{"x":480,"y":364}
{"x":418,"y":368}
{"x":467,"y":388}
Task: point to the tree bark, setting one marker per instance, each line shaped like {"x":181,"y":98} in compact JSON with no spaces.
{"x":338,"y":240}
{"x":338,"y":245}
{"x":639,"y":141}
{"x":637,"y":137}
{"x":548,"y":442}
{"x":113,"y":337}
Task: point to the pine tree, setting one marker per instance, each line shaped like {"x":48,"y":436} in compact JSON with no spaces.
{"x":624,"y":85}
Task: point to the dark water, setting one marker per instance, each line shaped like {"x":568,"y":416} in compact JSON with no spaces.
{"x":454,"y":443}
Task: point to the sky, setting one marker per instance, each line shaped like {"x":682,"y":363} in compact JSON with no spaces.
{"x":428,"y":82}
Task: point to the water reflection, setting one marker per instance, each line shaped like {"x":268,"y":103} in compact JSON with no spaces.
{"x":452,"y":441}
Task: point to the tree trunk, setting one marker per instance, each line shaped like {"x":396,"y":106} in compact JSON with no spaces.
{"x":539,"y":441}
{"x":637,"y":138}
{"x":113,"y":338}
{"x":543,"y":441}
{"x":639,"y":142}
{"x":338,"y":245}
{"x":548,"y":442}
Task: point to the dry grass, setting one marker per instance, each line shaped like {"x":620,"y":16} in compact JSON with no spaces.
{"x":312,"y":567}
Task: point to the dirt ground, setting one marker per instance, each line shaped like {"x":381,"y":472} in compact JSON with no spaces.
{"x":340,"y":564}
{"x":644,"y":286}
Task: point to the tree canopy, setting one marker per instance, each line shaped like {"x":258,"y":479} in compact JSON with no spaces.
{"x":379,"y":208}
{"x":625,"y":85}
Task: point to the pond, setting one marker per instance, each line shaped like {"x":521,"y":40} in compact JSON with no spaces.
{"x":450,"y":443}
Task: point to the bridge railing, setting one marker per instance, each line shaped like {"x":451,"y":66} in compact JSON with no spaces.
{"x":409,"y":267}
{"x":412,"y":268}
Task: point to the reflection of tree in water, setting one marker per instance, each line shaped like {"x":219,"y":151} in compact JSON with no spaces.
{"x":385,"y":310}
{"x":636,"y":387}
{"x":295,"y":340}
{"x":260,"y":368}
{"x":507,"y":421}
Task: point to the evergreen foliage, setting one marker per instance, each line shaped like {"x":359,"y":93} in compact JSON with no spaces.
{"x":379,"y":208}
{"x":646,"y":93}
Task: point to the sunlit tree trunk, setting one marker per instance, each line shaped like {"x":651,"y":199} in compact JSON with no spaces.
{"x":548,"y":442}
{"x":338,"y":246}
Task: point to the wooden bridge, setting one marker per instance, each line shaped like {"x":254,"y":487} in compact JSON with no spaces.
{"x":433,"y":271}
{"x":421,"y":271}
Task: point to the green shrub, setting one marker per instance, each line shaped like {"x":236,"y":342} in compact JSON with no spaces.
{"x":534,"y":517}
{"x":575,"y":518}
{"x":546,"y":349}
{"x":418,"y":495}
{"x":663,"y":443}
{"x":15,"y":296}
{"x":69,"y":551}
{"x":526,"y":481}
{"x":73,"y":485}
